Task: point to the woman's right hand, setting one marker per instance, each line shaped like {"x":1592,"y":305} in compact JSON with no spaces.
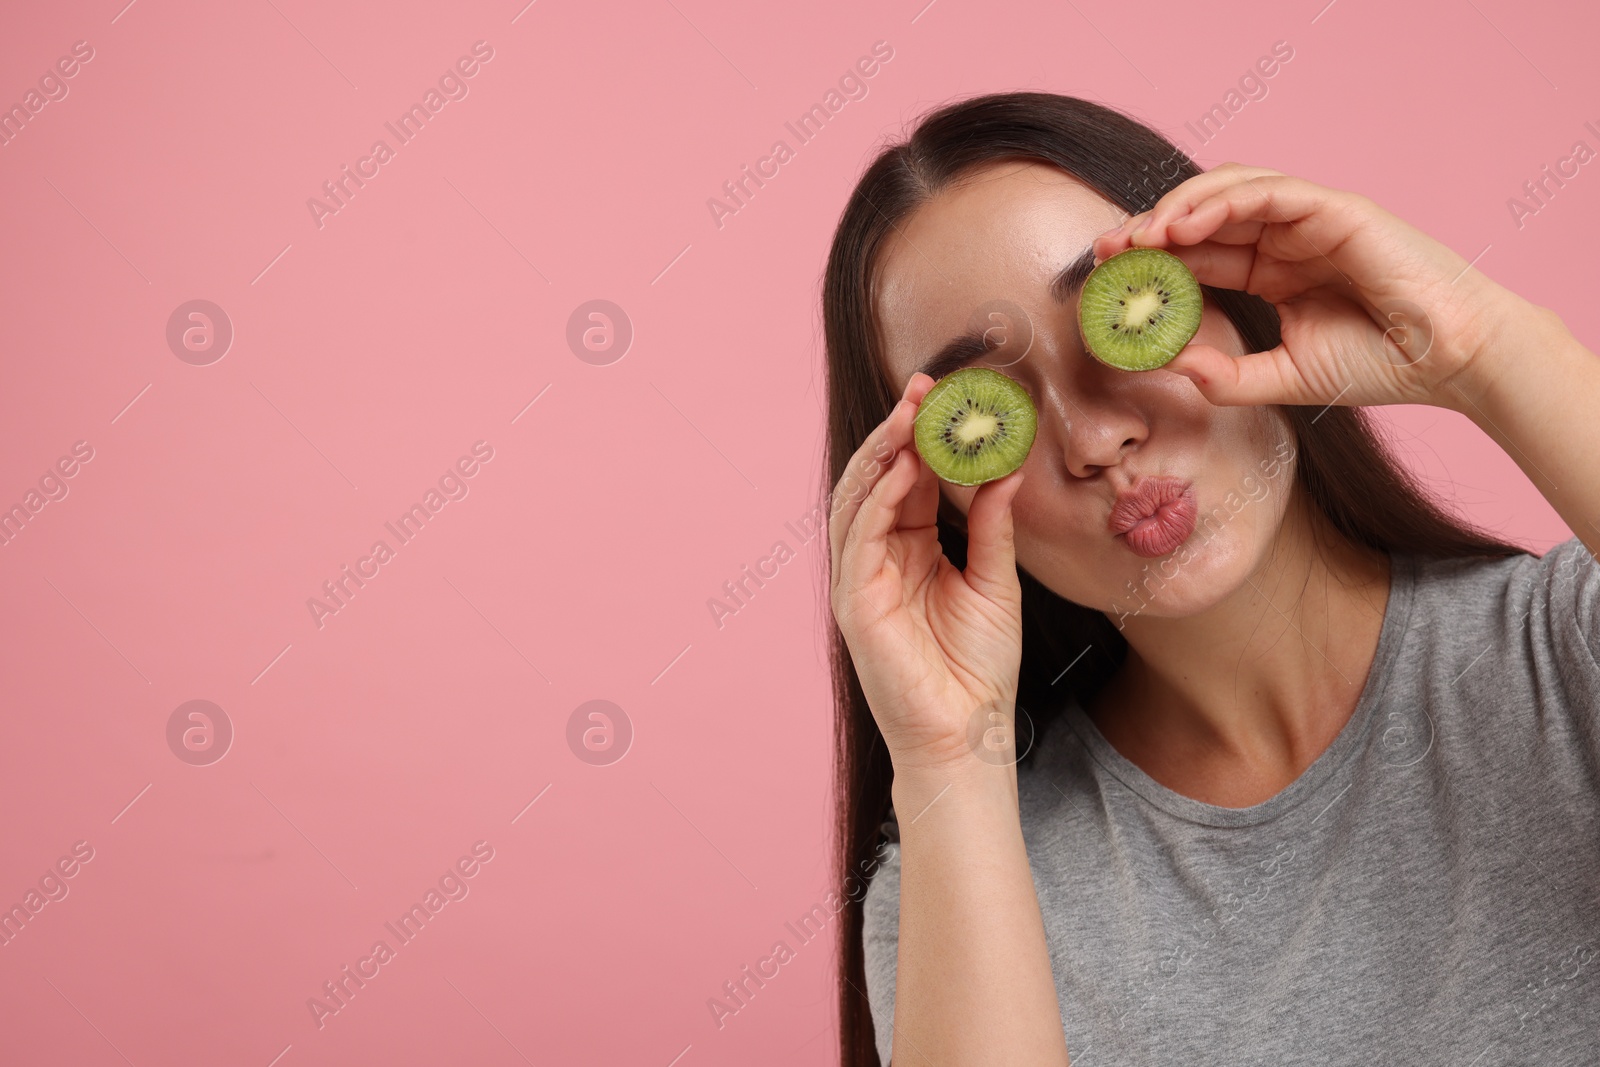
{"x":937,"y":650}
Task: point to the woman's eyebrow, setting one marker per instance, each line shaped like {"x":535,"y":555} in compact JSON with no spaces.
{"x":1072,"y":277}
{"x":971,"y":345}
{"x":954,"y":354}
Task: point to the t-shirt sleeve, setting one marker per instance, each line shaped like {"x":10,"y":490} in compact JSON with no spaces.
{"x":1540,"y":634}
{"x":1561,"y":612}
{"x":880,"y":936}
{"x":1571,"y":581}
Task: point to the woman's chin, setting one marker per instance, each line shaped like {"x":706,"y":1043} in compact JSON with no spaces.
{"x":1189,"y":580}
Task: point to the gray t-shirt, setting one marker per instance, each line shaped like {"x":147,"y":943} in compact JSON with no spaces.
{"x":1427,"y":892}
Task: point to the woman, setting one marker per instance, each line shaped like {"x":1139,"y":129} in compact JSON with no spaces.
{"x":1303,"y":773}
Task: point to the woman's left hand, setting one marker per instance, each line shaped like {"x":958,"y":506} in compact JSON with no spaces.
{"x":1373,"y":310}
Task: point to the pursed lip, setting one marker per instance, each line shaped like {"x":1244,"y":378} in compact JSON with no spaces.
{"x":1144,"y":499}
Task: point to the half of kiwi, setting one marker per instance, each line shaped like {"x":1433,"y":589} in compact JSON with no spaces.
{"x":1139,"y":308}
{"x":975,"y":425}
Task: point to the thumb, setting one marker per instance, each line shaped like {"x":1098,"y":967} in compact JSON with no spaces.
{"x":1253,"y":379}
{"x":991,"y":541}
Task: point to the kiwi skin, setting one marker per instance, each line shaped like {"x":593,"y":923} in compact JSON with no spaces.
{"x":975,"y":400}
{"x":1154,"y":281}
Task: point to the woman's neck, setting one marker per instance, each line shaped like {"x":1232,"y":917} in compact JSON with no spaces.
{"x":1231,"y":705}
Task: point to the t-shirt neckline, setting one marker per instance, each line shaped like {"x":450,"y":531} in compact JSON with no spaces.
{"x":1396,"y":620}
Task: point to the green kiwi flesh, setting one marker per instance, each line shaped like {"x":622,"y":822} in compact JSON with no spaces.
{"x":1139,"y":308}
{"x":975,"y":425}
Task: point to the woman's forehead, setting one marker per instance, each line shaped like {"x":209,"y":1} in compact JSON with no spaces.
{"x":1002,"y":233}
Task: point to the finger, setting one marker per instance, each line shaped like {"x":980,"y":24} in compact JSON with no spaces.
{"x":868,"y":463}
{"x":1245,"y":268}
{"x":1259,"y":378}
{"x":921,"y":507}
{"x":1238,"y":211}
{"x":1177,"y":202}
{"x":1243,"y":211}
{"x":917,"y":387}
{"x":1182,"y":198}
{"x":1224,"y":266}
{"x":865,"y":546}
{"x":991,"y":549}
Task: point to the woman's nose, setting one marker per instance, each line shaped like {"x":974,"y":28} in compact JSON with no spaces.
{"x":1095,"y":427}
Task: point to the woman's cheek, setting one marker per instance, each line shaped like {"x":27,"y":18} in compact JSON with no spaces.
{"x":1039,"y":538}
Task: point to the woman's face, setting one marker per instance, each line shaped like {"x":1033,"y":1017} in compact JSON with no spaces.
{"x":982,"y":255}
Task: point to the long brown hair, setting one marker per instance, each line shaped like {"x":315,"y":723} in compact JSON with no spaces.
{"x":1343,"y":468}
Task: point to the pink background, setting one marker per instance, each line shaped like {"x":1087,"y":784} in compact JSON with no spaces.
{"x":372,"y":752}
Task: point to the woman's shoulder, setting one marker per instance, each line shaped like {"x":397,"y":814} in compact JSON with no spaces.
{"x":1500,"y":654}
{"x":1566,"y":563}
{"x":1526,"y":602}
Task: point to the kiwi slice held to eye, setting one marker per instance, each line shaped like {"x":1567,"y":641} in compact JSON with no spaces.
{"x":975,"y":425}
{"x":1139,"y":308}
